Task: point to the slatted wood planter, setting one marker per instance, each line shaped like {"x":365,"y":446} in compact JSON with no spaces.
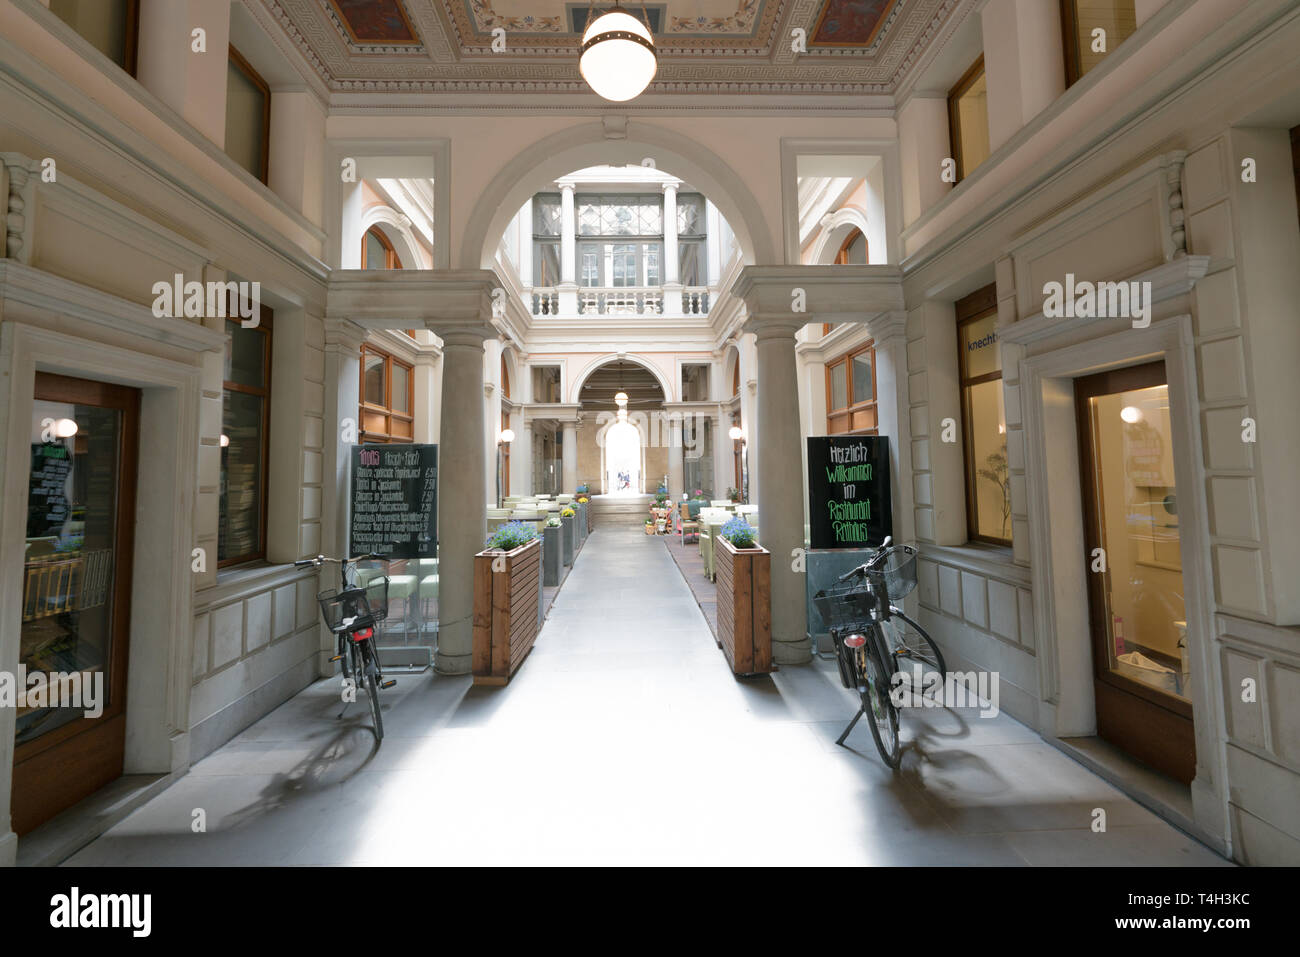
{"x":744,"y":580}
{"x":507,"y":605}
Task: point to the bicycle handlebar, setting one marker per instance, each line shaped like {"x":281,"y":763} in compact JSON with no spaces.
{"x":861,"y":570}
{"x":321,"y":559}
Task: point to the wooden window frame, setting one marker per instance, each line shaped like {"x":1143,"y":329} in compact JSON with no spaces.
{"x":391,"y":259}
{"x":978,"y":305}
{"x":265,"y":326}
{"x":975,"y":71}
{"x":246,"y":68}
{"x":386,"y":410}
{"x":855,"y":404}
{"x":1070,"y":40}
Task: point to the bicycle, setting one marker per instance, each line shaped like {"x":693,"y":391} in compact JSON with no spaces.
{"x":351,"y":613}
{"x":872,"y":637}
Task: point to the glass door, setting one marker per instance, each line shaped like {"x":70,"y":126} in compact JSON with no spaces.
{"x":71,"y":727}
{"x":1141,"y":670}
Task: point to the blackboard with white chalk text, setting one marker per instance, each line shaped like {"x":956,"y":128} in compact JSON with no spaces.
{"x":848,"y":491}
{"x":394,"y":501}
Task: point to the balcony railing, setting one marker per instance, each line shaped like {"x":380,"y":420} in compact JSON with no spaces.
{"x":621,"y":301}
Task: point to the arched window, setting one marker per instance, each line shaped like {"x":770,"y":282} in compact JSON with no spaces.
{"x":853,"y":251}
{"x":377,"y":251}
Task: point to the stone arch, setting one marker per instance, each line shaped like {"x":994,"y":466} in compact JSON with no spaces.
{"x":538,"y":165}
{"x":838,"y":226}
{"x":398,"y":230}
{"x":575,"y":387}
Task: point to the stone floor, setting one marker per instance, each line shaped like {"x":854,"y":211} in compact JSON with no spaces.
{"x":625,"y":740}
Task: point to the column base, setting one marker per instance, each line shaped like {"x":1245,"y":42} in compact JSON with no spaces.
{"x":445,"y":664}
{"x":791,"y":651}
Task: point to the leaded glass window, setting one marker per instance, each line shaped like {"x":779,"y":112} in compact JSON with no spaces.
{"x":547,"y":214}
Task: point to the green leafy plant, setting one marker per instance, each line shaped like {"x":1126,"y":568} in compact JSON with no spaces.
{"x":739,"y":532}
{"x":512,"y":535}
{"x":733,"y":494}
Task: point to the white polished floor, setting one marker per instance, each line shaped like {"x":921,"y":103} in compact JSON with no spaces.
{"x":625,"y":740}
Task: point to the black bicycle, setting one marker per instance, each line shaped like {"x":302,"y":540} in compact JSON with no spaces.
{"x":875,"y":641}
{"x":352,"y":612}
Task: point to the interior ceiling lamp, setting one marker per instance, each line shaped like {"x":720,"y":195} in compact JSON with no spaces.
{"x":617,"y":57}
{"x":620,"y":399}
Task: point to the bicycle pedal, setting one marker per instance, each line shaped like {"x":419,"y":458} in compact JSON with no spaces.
{"x":337,"y":658}
{"x":389,"y":683}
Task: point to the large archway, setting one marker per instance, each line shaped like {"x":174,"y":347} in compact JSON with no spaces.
{"x":621,"y":405}
{"x":586,"y":146}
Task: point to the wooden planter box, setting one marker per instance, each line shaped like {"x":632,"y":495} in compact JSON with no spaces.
{"x":744,"y":579}
{"x":507,"y":611}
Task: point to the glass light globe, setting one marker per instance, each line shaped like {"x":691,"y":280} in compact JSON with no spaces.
{"x":614,"y":62}
{"x":507,"y":436}
{"x":736,"y":433}
{"x":1130,"y":414}
{"x":620,"y":399}
{"x":65,"y":428}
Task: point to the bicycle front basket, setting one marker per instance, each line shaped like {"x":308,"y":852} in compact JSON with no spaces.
{"x":844,"y":604}
{"x":898,"y":569}
{"x":345,"y":610}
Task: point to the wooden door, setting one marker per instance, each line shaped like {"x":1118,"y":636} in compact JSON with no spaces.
{"x":76,"y":594}
{"x":1135,"y":583}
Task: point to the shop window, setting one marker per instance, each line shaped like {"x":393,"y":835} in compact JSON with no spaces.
{"x":110,"y":26}
{"x":387,"y":397}
{"x":248,"y":116}
{"x":1081,"y":20}
{"x":377,"y":251}
{"x":245,"y":442}
{"x":968,"y":119}
{"x":984,"y":424}
{"x":851,"y":393}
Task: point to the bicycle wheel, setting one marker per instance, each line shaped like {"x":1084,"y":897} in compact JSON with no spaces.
{"x":372,"y":687}
{"x":882,"y":714}
{"x":916,"y":655}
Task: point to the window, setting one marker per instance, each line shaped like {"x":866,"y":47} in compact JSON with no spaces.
{"x":851,"y":393}
{"x":984,"y":424}
{"x":547,"y":215}
{"x":377,"y":251}
{"x":691,"y":263}
{"x":248,"y":116}
{"x":546,"y":384}
{"x":387,"y":397}
{"x":853,"y":251}
{"x":968,"y":120}
{"x":110,"y":26}
{"x":245,"y":434}
{"x":1084,"y":46}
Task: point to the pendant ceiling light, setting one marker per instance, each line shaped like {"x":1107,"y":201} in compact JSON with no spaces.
{"x":617,"y":58}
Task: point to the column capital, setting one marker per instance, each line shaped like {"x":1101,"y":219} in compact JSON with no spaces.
{"x":343,"y":336}
{"x":823,"y":293}
{"x":887,"y":325}
{"x":776,"y":325}
{"x":445,"y":301}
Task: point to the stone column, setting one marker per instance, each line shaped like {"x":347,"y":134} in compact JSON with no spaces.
{"x":426,"y":398}
{"x":462,"y":523}
{"x":670,"y":278}
{"x":193,"y":84}
{"x":676,"y":463}
{"x":893,"y":415}
{"x":568,"y":252}
{"x":1024,"y":63}
{"x":569,"y":465}
{"x":779,"y":468}
{"x":923,"y":146}
{"x":343,"y":340}
{"x":524,"y":443}
{"x":297,"y":142}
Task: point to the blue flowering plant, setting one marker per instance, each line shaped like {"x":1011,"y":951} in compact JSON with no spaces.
{"x":512,"y":535}
{"x":739,"y":532}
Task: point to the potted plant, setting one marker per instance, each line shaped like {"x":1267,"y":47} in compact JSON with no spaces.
{"x":733,"y":494}
{"x":743,"y":572}
{"x":649,"y":526}
{"x":507,"y":601}
{"x":584,"y":514}
{"x":567,"y":534}
{"x":551,"y":552}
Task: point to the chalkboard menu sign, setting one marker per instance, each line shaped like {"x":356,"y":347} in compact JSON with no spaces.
{"x":848,"y":490}
{"x":47,"y":503}
{"x":394,"y":501}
